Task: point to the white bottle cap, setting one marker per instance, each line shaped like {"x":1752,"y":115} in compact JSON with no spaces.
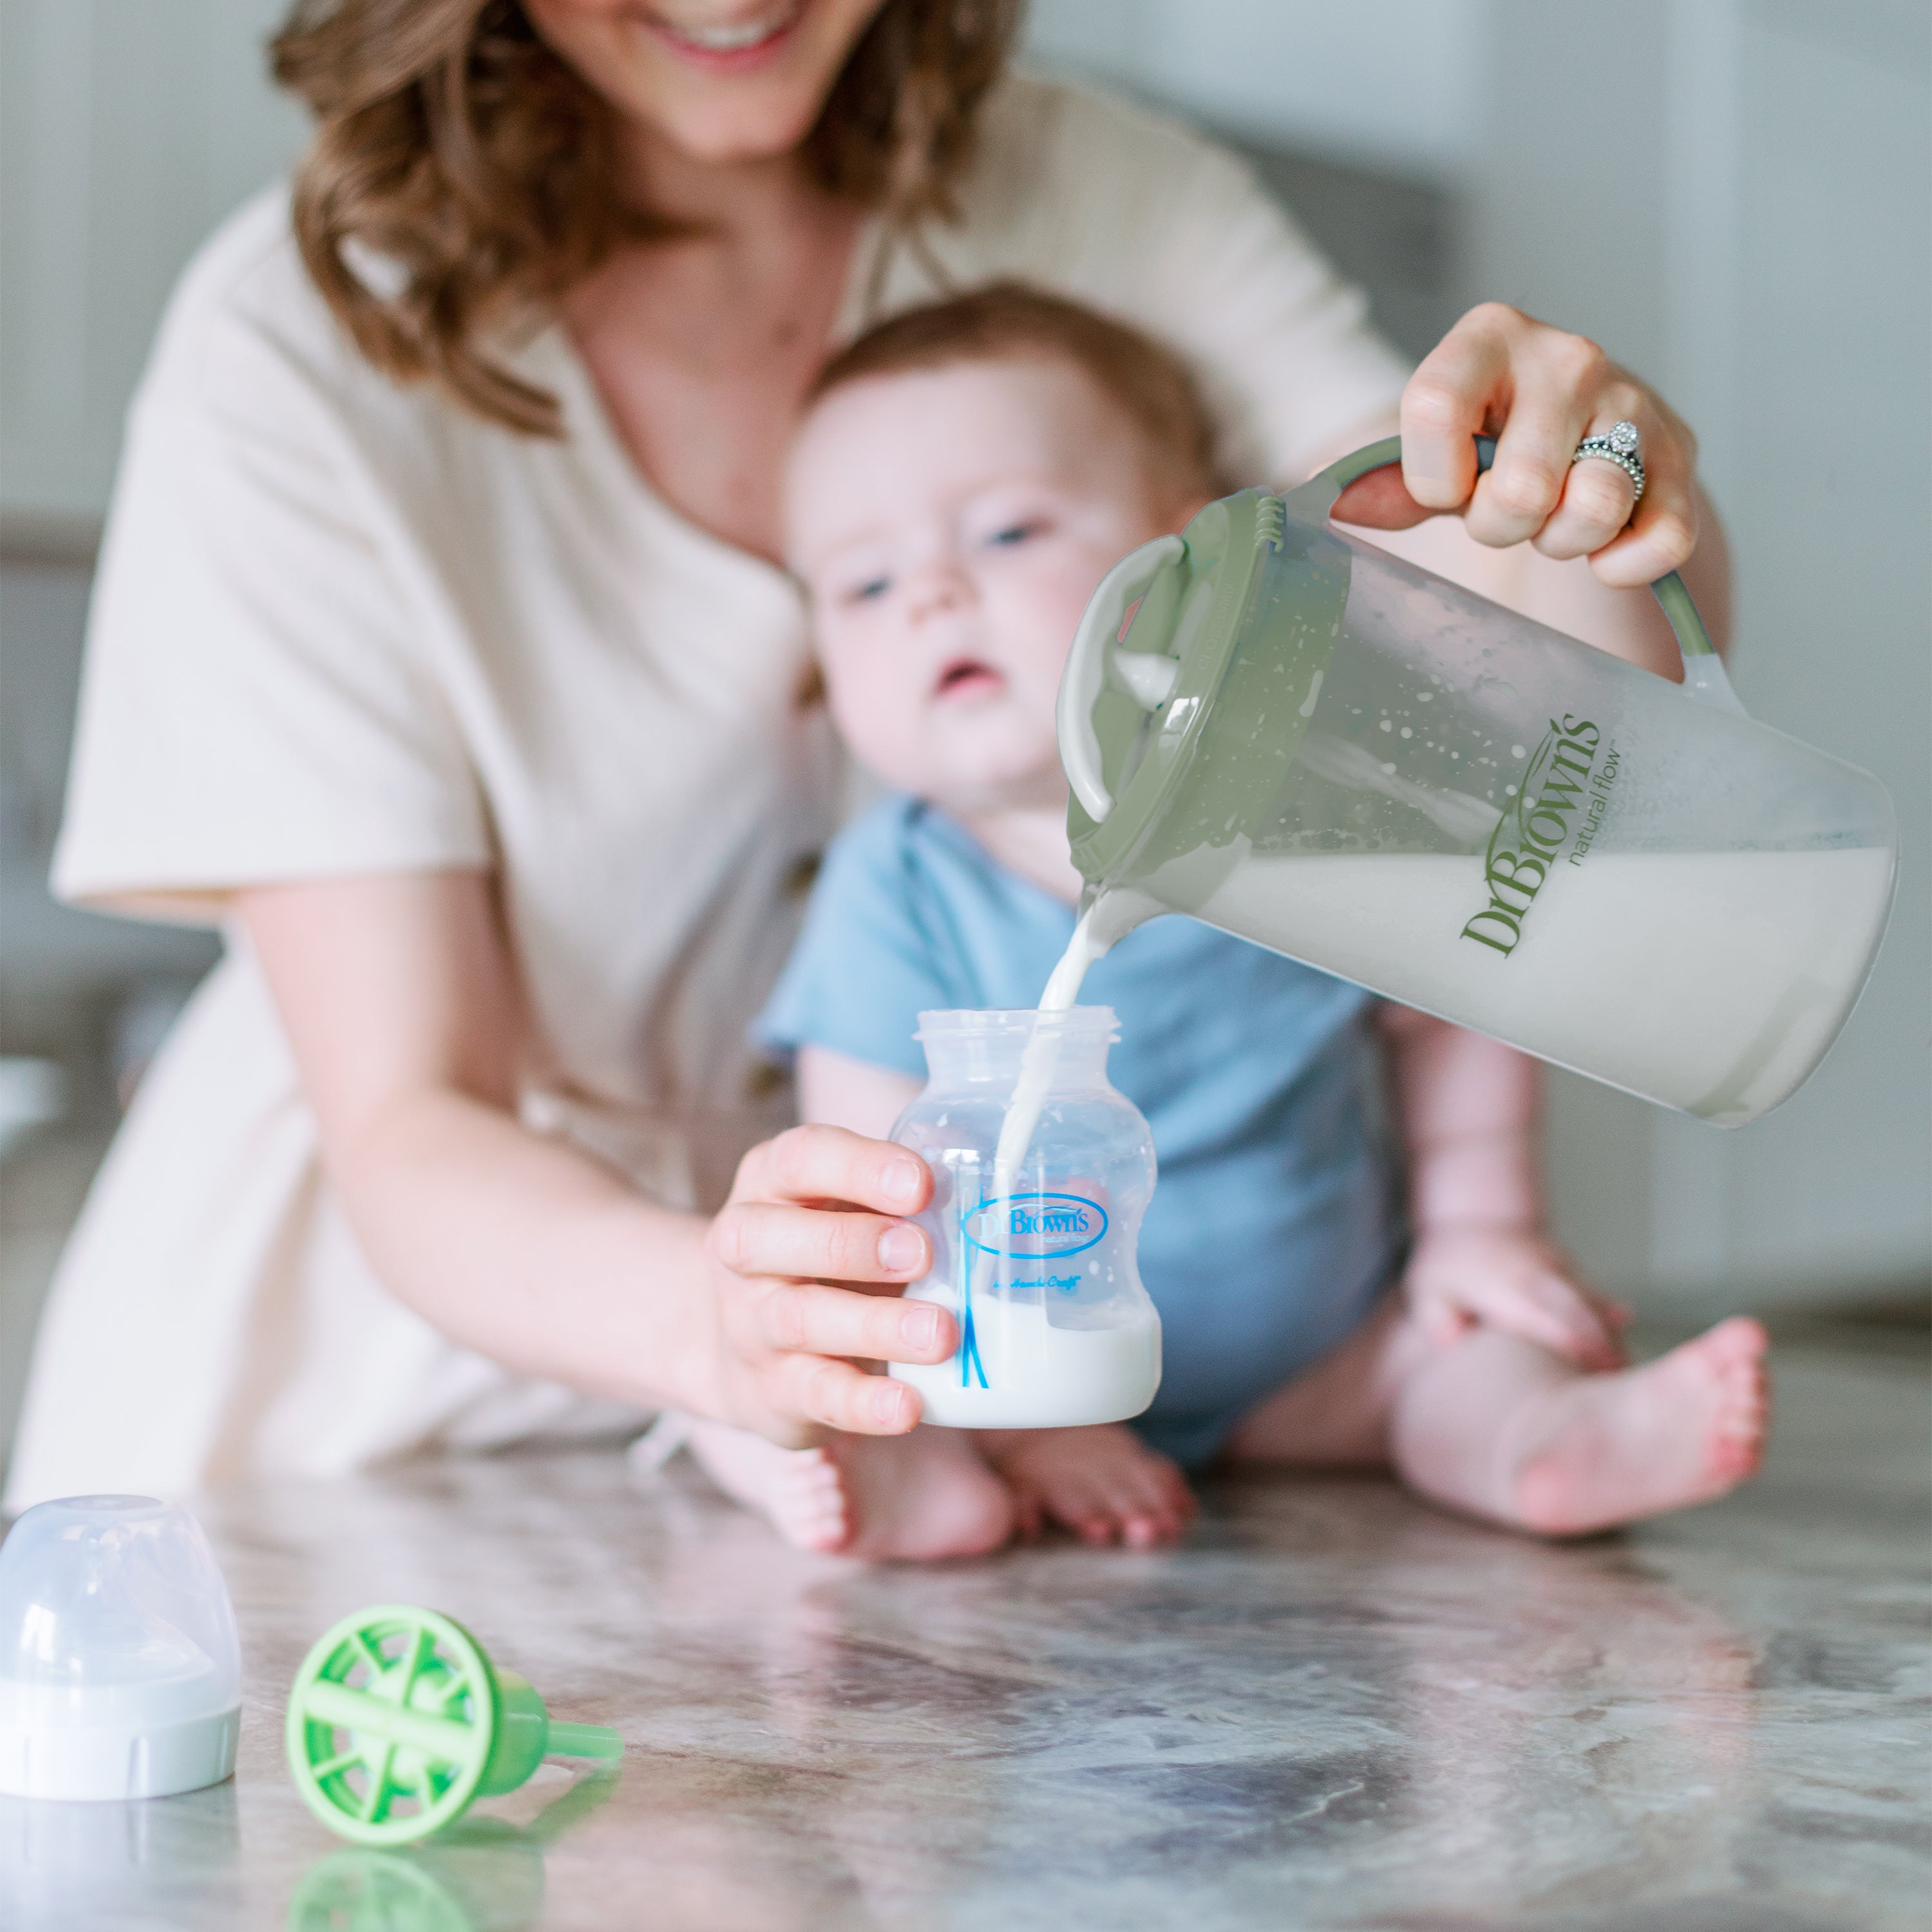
{"x":120,"y":1670}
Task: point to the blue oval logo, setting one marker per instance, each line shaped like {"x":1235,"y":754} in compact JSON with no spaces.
{"x":1037,"y":1227}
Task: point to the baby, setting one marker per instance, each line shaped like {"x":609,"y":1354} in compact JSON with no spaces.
{"x":1347,"y":1244}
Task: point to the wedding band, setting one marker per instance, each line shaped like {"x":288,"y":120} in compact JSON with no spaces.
{"x":1617,"y":444}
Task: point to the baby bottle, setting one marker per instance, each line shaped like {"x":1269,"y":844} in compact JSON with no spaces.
{"x":1041,"y":1173}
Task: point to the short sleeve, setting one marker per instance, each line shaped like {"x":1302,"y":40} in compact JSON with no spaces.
{"x":865,"y":966}
{"x":1292,"y":364}
{"x":256,"y":705}
{"x":1130,"y":210}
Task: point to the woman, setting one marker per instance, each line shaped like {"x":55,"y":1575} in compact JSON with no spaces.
{"x":439,"y":652}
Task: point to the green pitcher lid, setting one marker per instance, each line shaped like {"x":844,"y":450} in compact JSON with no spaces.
{"x":1142,"y":694}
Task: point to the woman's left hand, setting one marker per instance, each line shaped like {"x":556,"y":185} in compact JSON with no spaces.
{"x":1539,"y":391}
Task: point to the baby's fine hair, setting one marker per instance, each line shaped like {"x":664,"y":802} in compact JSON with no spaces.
{"x":1010,"y":321}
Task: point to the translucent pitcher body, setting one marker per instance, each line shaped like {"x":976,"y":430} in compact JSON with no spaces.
{"x":1036,"y":1259}
{"x":1324,"y":749}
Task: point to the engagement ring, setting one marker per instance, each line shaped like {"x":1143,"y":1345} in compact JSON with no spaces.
{"x":1617,"y":444}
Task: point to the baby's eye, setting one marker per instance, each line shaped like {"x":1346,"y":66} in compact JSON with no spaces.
{"x":1009,"y":534}
{"x":868,"y":591}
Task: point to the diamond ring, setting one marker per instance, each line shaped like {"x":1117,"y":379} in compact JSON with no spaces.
{"x":1617,"y":444}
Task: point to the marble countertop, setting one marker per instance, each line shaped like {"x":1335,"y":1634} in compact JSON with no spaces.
{"x":1332,"y":1707}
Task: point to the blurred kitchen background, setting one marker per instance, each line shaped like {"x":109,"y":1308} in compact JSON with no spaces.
{"x":1731,"y":195}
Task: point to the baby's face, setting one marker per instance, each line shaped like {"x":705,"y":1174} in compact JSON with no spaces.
{"x":950,"y":525}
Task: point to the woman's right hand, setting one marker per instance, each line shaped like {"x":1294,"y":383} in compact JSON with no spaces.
{"x":808,"y":1260}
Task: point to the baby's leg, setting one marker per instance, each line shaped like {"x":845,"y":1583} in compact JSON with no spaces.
{"x":1103,"y":1483}
{"x":1502,"y":1428}
{"x":929,"y":1494}
{"x":1337,"y":1413}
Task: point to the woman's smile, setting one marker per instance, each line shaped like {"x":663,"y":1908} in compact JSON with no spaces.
{"x":731,"y":43}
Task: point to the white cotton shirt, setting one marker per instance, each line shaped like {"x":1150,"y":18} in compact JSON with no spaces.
{"x":342,"y":627}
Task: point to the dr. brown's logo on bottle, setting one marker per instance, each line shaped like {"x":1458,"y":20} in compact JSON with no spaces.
{"x":1530,"y":836}
{"x":1037,"y":1227}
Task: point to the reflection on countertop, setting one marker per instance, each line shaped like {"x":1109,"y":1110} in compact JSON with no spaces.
{"x":1332,"y":1707}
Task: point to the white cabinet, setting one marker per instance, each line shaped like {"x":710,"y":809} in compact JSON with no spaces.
{"x":1731,"y":194}
{"x":128,"y":129}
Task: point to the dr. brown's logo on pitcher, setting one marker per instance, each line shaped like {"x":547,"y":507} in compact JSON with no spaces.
{"x":1529,"y":837}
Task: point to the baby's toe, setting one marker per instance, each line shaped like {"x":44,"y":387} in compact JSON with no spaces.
{"x":1742,"y":1406}
{"x":1156,"y":1489}
{"x":827,"y":1536}
{"x":1090,"y":1514}
{"x":1145,"y":1516}
{"x":811,"y":1489}
{"x":1170,"y":1486}
{"x":810,"y":1508}
{"x":1143,"y":1530}
{"x":1738,"y":1437}
{"x":1738,"y":1344}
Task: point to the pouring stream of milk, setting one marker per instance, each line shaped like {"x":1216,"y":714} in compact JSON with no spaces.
{"x":1041,"y":1057}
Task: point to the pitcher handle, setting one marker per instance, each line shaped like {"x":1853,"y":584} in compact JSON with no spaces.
{"x":1086,"y":671}
{"x":1703,"y":670}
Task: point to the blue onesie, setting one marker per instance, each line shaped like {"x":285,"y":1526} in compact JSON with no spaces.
{"x":1275,"y":1223}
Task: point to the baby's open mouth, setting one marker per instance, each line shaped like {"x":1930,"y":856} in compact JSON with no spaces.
{"x":967,"y":677}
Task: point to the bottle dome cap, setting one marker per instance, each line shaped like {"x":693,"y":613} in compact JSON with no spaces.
{"x":120,"y":1669}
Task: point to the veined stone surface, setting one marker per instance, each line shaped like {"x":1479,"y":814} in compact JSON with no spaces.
{"x":1333,"y":1707}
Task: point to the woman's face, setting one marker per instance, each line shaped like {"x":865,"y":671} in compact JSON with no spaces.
{"x":722,"y":80}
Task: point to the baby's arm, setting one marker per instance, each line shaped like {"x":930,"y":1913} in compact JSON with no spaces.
{"x":1469,"y":1111}
{"x":835,"y":1090}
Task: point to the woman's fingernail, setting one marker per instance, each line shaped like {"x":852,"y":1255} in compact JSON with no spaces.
{"x":885,"y":1401}
{"x":901,"y":1181}
{"x":901,"y":1249}
{"x":919,"y":1327}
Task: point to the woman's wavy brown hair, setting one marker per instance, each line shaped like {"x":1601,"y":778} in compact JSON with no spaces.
{"x":454,"y":145}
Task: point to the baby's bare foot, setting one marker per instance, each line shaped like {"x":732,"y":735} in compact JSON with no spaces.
{"x":926,"y":1495}
{"x":1102,"y":1483}
{"x":1609,"y":1449}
